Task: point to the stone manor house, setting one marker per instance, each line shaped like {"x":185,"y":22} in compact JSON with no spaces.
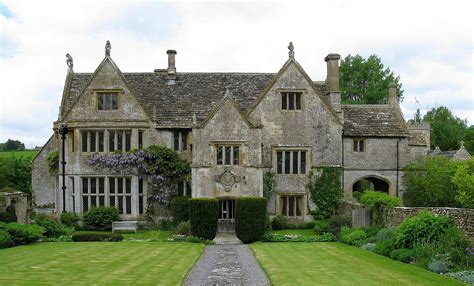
{"x":232,"y":127}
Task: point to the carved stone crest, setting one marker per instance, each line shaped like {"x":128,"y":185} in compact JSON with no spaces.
{"x":227,"y":179}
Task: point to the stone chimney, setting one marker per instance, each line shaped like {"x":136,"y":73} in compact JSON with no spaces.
{"x":171,"y":71}
{"x":392,"y":94}
{"x":332,"y":81}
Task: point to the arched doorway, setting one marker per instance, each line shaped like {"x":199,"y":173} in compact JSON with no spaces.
{"x":370,"y":183}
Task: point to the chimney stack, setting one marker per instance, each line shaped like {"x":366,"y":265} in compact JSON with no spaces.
{"x":171,"y":71}
{"x":392,"y":94}
{"x":332,"y":79}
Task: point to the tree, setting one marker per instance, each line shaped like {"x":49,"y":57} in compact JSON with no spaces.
{"x":366,"y":81}
{"x":13,"y":145}
{"x":447,"y":130}
{"x":326,"y":191}
{"x":469,"y":139}
{"x":464,"y":181}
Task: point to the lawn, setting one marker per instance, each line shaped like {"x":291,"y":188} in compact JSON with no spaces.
{"x":332,"y":263}
{"x":29,"y":154}
{"x":153,"y":235}
{"x":102,"y":263}
{"x":300,"y":232}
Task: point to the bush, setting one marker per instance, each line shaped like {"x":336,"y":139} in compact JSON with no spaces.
{"x":268,"y":223}
{"x":95,"y":236}
{"x":386,"y":234}
{"x":250,"y":215}
{"x":9,"y":215}
{"x":184,"y":228}
{"x":321,"y":226}
{"x":402,"y":254}
{"x":70,"y":219}
{"x":23,"y":233}
{"x":357,"y":195}
{"x":53,"y":228}
{"x":384,"y":247}
{"x":100,"y":218}
{"x":369,"y":247}
{"x":274,"y":237}
{"x":179,"y":209}
{"x":438,"y":266}
{"x":351,"y":236}
{"x":466,"y":276}
{"x":378,"y":203}
{"x":203,"y":214}
{"x":326,"y":191}
{"x":463,"y":180}
{"x":165,"y":224}
{"x":5,"y":239}
{"x":336,"y":222}
{"x":280,"y":222}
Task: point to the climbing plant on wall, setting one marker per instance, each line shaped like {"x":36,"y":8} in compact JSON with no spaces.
{"x":268,"y":184}
{"x":326,"y":192}
{"x":161,"y":165}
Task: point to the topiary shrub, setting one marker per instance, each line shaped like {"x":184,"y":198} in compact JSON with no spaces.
{"x":53,"y":228}
{"x":179,"y":209}
{"x":378,"y":204}
{"x":402,"y":254}
{"x":100,"y":218}
{"x":70,"y":219}
{"x":95,"y":236}
{"x":280,"y":222}
{"x":23,"y":233}
{"x":203,"y":215}
{"x":9,"y":215}
{"x":250,"y":215}
{"x":5,"y":239}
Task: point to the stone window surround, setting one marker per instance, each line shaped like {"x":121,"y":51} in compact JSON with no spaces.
{"x":183,"y":139}
{"x":239,"y":143}
{"x":359,"y":140}
{"x":96,"y":92}
{"x":279,"y":208}
{"x":275,"y":149}
{"x":279,"y":92}
{"x":134,"y":132}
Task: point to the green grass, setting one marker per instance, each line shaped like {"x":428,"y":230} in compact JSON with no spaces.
{"x":29,"y":154}
{"x":332,"y":263}
{"x":154,"y":235}
{"x":98,"y":263}
{"x":300,"y":232}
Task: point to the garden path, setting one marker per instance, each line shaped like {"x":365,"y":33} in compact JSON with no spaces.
{"x":227,"y":264}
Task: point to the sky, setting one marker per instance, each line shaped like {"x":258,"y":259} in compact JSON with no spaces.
{"x":429,"y":44}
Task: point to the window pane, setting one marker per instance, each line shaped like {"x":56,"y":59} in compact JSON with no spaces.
{"x":295,"y":162}
{"x":84,"y":141}
{"x":85,"y":186}
{"x":291,"y":101}
{"x":283,"y":101}
{"x":93,"y":201}
{"x":287,"y":162}
{"x":112,"y":201}
{"x":120,"y":204}
{"x":120,"y":185}
{"x":176,"y":140}
{"x":101,"y":141}
{"x":361,"y":145}
{"x":180,"y":189}
{"x":115,"y":101}
{"x":298,"y":101}
{"x":291,"y":206}
{"x":128,"y":137}
{"x":140,"y":139}
{"x":120,"y":140}
{"x":303,"y":162}
{"x":112,"y":185}
{"x":227,"y":155}
{"x":140,"y":204}
{"x":92,"y":141}
{"x":101,"y":201}
{"x":100,"y":101}
{"x":279,"y":162}
{"x":298,"y":205}
{"x":236,"y":155}
{"x":101,"y":185}
{"x":284,"y":205}
{"x":85,"y":204}
{"x":107,"y":101}
{"x":355,"y":148}
{"x":219,"y":155}
{"x":93,"y":185}
{"x":140,"y":186}
{"x":111,"y":141}
{"x":184,"y":140}
{"x":128,"y":200}
{"x":128,"y":186}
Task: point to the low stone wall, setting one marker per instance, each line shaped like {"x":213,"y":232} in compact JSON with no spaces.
{"x":463,"y":218}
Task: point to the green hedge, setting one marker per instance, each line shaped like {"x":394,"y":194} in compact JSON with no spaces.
{"x":23,"y":233}
{"x":250,"y":215}
{"x":52,"y":226}
{"x":5,"y":239}
{"x":203,"y":215}
{"x":100,"y":218}
{"x":179,"y":209}
{"x":95,"y":236}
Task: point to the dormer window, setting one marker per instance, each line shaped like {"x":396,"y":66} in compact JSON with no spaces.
{"x":291,"y":100}
{"x":107,"y":100}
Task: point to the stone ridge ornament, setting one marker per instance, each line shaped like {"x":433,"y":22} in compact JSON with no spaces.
{"x":69,"y":61}
{"x":108,"y":46}
{"x":291,"y":53}
{"x":227,"y":179}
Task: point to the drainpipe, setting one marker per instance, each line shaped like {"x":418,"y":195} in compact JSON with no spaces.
{"x":63,"y":131}
{"x":342,"y":162}
{"x":398,"y":163}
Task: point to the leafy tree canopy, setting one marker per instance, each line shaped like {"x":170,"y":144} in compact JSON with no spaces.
{"x":447,"y":130}
{"x":12,"y":145}
{"x":366,"y":81}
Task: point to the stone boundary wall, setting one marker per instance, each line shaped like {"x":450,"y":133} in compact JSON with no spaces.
{"x":463,"y":218}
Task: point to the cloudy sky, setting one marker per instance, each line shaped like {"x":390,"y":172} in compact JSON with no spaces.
{"x":429,"y":44}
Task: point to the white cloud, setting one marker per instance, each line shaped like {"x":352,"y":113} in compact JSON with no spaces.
{"x":430,"y":46}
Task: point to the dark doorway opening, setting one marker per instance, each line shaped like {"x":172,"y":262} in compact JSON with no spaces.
{"x":226,"y":222}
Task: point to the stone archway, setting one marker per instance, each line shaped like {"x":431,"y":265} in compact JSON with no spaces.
{"x":371,"y":183}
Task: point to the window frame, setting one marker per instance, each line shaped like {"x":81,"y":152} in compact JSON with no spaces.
{"x":284,"y":202}
{"x":182,"y":140}
{"x":285,"y":166}
{"x":231,"y":146}
{"x":360,"y":142}
{"x":298,"y":100}
{"x":107,"y":94}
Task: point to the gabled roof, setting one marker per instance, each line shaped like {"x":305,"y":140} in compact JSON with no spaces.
{"x":374,"y":121}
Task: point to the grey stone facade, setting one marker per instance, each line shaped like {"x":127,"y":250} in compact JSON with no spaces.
{"x":239,"y":113}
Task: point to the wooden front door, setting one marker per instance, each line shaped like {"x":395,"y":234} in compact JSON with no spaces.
{"x":226,"y":215}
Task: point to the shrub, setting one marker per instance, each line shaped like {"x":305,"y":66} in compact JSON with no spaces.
{"x":321,"y":226}
{"x":95,"y":236}
{"x":5,"y":239}
{"x":184,"y":228}
{"x":165,"y":224}
{"x":179,"y":209}
{"x":250,"y":215}
{"x":438,"y":266}
{"x":325,"y":189}
{"x":423,"y":254}
{"x":53,"y":228}
{"x":351,"y":236}
{"x":336,"y":222}
{"x":357,"y":195}
{"x":70,"y":219}
{"x":23,"y":233}
{"x":9,"y":215}
{"x":466,"y":276}
{"x":386,"y":234}
{"x":369,"y":247}
{"x":280,"y":222}
{"x":203,"y":214}
{"x":402,"y":254}
{"x":268,"y":223}
{"x":378,"y":203}
{"x":100,"y":218}
{"x":463,"y":180}
{"x":384,"y":247}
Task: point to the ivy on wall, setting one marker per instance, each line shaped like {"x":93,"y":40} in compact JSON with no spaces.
{"x":52,"y":160}
{"x":269,"y":184}
{"x":326,"y":192}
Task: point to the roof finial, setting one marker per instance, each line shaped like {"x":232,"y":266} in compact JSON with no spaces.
{"x":462,"y":144}
{"x":107,"y":48}
{"x":291,"y":53}
{"x":69,"y":61}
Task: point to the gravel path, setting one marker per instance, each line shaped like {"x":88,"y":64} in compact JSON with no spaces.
{"x":227,"y":265}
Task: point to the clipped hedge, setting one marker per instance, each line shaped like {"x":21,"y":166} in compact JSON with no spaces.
{"x":95,"y":236}
{"x":250,"y":216}
{"x":100,"y":218}
{"x":203,"y":215}
{"x":179,"y":209}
